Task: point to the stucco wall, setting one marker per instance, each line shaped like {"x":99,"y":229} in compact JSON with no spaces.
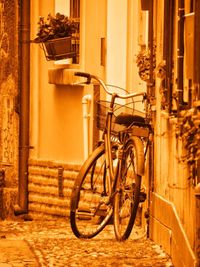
{"x":56,"y":117}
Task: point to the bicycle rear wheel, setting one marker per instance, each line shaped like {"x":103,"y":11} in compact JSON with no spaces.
{"x":90,"y":207}
{"x":127,"y":196}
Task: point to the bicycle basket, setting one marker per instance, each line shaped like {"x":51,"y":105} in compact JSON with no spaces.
{"x":126,"y":108}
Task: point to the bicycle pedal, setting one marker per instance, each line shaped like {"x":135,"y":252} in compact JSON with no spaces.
{"x":101,"y":212}
{"x":143,"y":196}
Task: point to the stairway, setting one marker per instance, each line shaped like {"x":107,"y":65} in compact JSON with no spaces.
{"x":50,"y":186}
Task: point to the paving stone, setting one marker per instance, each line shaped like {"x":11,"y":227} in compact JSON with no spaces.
{"x":52,"y":243}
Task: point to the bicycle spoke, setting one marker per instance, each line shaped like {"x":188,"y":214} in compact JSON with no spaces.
{"x":93,"y":208}
{"x":127,"y":198}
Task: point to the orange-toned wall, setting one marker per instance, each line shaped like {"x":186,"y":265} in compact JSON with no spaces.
{"x":56,"y":120}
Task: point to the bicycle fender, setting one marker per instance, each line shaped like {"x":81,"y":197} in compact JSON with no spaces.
{"x":73,"y":203}
{"x":140,"y":154}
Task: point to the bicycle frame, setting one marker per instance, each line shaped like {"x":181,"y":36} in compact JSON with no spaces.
{"x":107,"y":140}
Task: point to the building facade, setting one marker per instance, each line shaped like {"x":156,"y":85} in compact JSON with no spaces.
{"x":46,"y":134}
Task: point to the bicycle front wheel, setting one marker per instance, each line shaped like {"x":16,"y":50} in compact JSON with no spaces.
{"x":90,"y":207}
{"x":128,"y":188}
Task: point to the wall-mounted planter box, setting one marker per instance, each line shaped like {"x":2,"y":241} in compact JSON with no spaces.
{"x":57,"y":49}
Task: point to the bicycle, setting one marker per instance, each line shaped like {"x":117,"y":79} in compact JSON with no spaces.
{"x":108,"y":185}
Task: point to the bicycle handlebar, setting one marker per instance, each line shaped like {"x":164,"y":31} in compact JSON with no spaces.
{"x":84,"y":75}
{"x":101,"y":82}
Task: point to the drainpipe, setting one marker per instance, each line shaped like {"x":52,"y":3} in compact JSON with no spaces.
{"x":24,"y":78}
{"x":151,"y":47}
{"x":168,"y":49}
{"x":180,"y":53}
{"x":86,"y":101}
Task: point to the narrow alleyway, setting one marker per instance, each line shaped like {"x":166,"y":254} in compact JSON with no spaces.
{"x":51,"y":243}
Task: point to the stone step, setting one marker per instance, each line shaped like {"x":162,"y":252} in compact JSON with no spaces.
{"x":50,"y":186}
{"x":51,"y":181}
{"x":47,"y":195}
{"x":46,"y":200}
{"x":51,"y":210}
{"x":50,"y":172}
{"x":48,"y":190}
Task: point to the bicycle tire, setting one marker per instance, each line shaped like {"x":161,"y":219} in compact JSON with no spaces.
{"x":89,"y":212}
{"x":127,"y":195}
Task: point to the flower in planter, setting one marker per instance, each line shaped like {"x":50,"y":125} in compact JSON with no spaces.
{"x":54,"y":27}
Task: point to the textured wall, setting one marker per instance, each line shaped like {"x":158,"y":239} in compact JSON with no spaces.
{"x":8,"y":93}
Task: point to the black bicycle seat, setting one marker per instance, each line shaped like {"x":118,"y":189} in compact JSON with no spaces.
{"x":128,"y":119}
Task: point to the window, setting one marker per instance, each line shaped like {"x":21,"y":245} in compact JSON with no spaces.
{"x":70,"y":8}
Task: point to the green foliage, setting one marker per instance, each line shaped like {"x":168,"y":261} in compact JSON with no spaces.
{"x":57,"y":26}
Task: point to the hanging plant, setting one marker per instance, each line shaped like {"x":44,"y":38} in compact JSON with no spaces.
{"x":143,"y":63}
{"x":59,"y":36}
{"x":54,"y":27}
{"x":188,"y":129}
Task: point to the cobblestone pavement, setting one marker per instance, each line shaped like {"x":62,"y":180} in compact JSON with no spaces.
{"x":51,"y":243}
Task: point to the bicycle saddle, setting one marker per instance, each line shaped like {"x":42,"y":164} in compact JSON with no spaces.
{"x":128,"y":119}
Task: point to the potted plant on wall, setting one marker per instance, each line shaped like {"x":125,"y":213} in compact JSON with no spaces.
{"x":58,"y":35}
